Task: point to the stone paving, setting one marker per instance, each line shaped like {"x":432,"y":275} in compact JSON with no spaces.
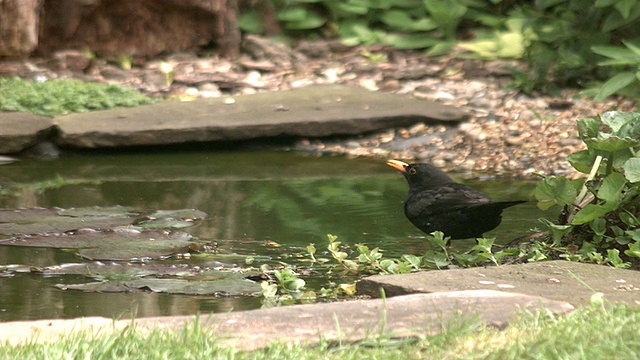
{"x":314,"y":111}
{"x":416,"y":304}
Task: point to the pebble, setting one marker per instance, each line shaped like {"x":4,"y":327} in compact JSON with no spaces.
{"x":442,"y":95}
{"x":507,"y":131}
{"x":353,"y":144}
{"x":209,"y":90}
{"x":527,"y":115}
{"x":417,"y":129}
{"x":482,"y":103}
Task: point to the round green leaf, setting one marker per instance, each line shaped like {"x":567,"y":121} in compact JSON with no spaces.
{"x":582,"y":160}
{"x":616,"y":119}
{"x":555,"y":190}
{"x":632,"y":169}
{"x":611,"y":188}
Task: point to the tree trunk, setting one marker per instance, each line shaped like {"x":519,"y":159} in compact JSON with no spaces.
{"x":18,"y":27}
{"x":227,"y":33}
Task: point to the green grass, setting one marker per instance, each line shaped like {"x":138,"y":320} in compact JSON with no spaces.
{"x":588,"y":333}
{"x":59,"y":97}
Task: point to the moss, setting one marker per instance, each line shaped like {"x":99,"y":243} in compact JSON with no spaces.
{"x":59,"y":97}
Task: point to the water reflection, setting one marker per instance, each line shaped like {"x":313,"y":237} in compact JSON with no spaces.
{"x":283,"y":198}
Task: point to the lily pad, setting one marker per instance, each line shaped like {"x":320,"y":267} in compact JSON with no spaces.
{"x":225,"y":284}
{"x":56,"y":220}
{"x":112,"y":211}
{"x":183,"y":214}
{"x":127,"y":271}
{"x":171,"y":219}
{"x":40,"y":220}
{"x":112,"y":244}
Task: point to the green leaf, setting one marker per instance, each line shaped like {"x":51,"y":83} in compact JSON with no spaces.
{"x":615,"y":20}
{"x":269,"y":290}
{"x":633,"y":234}
{"x":447,"y":14}
{"x":604,"y":3}
{"x":545,"y":4}
{"x":445,"y":11}
{"x":435,"y":260}
{"x":356,"y":32}
{"x":437,"y":238}
{"x":554,"y":190}
{"x":414,"y":41}
{"x":599,"y":226}
{"x":630,"y":128}
{"x":624,"y":7}
{"x":484,"y":244}
{"x":613,"y":256}
{"x":353,"y":7}
{"x":588,"y":128}
{"x":611,"y":143}
{"x":631,"y":46}
{"x":299,"y":18}
{"x":294,"y":284}
{"x":629,"y":219}
{"x":588,"y":213}
{"x":634,"y":249}
{"x":293,"y":13}
{"x":250,"y":22}
{"x":632,"y":169}
{"x":582,"y":160}
{"x":557,"y":231}
{"x":441,"y":48}
{"x":402,"y":21}
{"x":615,"y":84}
{"x":617,"y":120}
{"x":611,"y":188}
{"x":413,"y":260}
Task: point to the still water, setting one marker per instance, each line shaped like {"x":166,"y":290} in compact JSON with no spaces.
{"x":254,"y":199}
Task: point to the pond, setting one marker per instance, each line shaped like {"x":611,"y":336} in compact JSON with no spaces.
{"x":265,"y":204}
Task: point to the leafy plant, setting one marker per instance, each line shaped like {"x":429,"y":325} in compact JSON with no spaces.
{"x":600,"y":221}
{"x":406,"y":24}
{"x":350,"y":263}
{"x":593,"y":45}
{"x":626,"y":82}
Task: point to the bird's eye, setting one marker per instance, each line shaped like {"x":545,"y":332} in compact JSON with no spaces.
{"x":412,"y":171}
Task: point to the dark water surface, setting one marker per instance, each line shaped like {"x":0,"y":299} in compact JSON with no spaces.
{"x":254,"y":199}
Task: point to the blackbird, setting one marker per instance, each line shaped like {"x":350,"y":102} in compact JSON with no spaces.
{"x":437,"y":203}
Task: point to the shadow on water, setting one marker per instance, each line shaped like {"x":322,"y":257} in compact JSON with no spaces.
{"x":253,"y":199}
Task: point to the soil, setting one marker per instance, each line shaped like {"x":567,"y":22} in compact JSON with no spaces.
{"x":508,"y":134}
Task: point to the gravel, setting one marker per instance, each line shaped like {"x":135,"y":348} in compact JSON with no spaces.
{"x":508,"y":134}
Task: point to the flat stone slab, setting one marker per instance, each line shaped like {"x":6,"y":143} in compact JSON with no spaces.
{"x":313,"y":111}
{"x":19,"y":131}
{"x":560,"y":280}
{"x":402,"y":316}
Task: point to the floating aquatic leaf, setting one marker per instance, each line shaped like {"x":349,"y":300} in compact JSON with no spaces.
{"x":112,"y":211}
{"x":39,"y":220}
{"x":111,"y":244}
{"x":171,"y":219}
{"x":56,"y":220}
{"x":127,"y":271}
{"x":163,"y":224}
{"x":182,"y":214}
{"x":226,"y":284}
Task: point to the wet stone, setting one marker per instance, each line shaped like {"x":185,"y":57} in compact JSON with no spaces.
{"x":19,"y":131}
{"x":559,"y":280}
{"x":314,"y":111}
{"x":350,"y":321}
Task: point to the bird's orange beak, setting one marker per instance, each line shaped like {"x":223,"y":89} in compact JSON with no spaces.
{"x":398,"y":165}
